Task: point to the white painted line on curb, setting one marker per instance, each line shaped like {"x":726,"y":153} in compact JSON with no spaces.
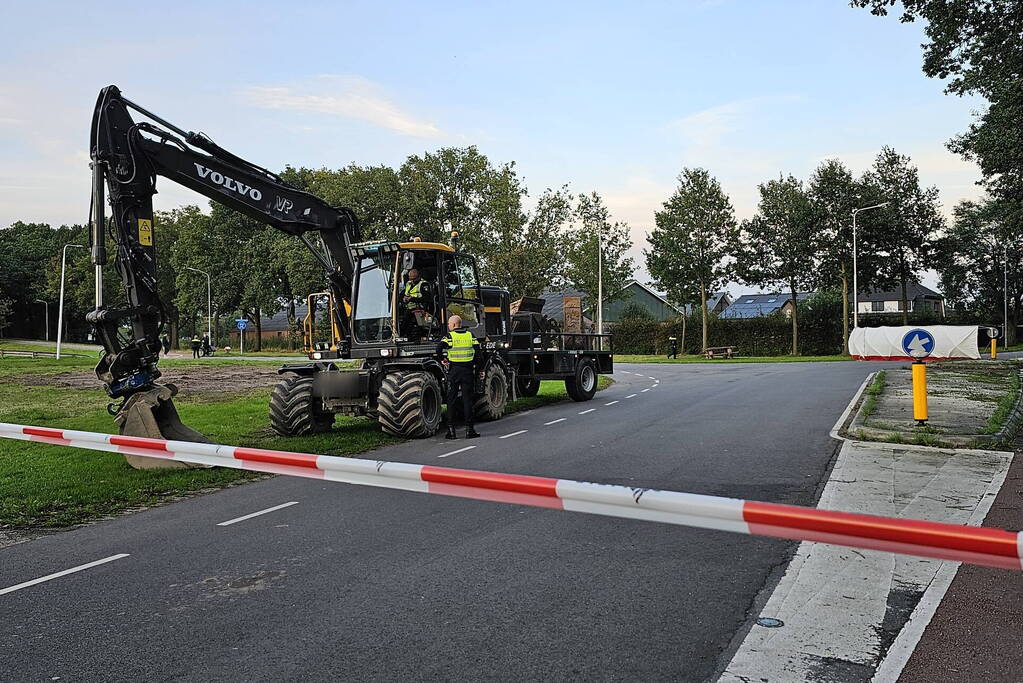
{"x":554,"y":422}
{"x":508,"y":436}
{"x":460,"y":450}
{"x":57,"y":575}
{"x":583,"y":412}
{"x":631,"y":395}
{"x":257,"y":514}
{"x":611,"y":403}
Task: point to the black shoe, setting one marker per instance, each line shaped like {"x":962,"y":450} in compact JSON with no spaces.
{"x":471,"y":433}
{"x":451,"y":433}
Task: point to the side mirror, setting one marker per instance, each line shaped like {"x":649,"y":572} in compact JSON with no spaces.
{"x":408,"y":259}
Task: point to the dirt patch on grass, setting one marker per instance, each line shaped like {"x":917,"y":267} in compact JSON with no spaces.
{"x":191,"y":381}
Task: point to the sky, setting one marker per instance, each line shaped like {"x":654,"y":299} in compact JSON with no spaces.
{"x":613,"y":97}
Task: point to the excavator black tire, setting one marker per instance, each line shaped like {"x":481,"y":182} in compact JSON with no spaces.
{"x":409,"y":404}
{"x":293,"y":410}
{"x":582,"y":385}
{"x":527,"y":386}
{"x":491,"y":404}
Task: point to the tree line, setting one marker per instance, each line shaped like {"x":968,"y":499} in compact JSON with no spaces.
{"x":526,"y":244}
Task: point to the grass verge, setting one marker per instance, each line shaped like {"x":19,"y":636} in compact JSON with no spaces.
{"x":873,"y":391}
{"x":48,"y":486}
{"x":996,"y":422}
{"x":639,"y":358}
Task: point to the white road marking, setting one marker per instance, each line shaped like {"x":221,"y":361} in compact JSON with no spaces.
{"x":630,"y":395}
{"x":611,"y":403}
{"x":583,"y":412}
{"x":508,"y":436}
{"x":460,"y":450}
{"x":554,"y":422}
{"x":644,"y":391}
{"x":257,"y":514}
{"x":57,"y":575}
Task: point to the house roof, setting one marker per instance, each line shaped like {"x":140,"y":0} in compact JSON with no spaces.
{"x":753,"y":305}
{"x":914,"y":290}
{"x":713,"y":300}
{"x":278,"y":321}
{"x":651,"y":293}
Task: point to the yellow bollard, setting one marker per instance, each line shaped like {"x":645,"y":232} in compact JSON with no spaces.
{"x":994,"y":349}
{"x":920,"y":392}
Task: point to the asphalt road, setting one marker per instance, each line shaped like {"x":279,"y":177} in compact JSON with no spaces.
{"x":364,"y":583}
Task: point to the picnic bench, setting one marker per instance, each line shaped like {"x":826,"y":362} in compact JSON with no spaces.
{"x":720,"y":352}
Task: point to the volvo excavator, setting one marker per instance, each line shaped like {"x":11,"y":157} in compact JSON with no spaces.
{"x":401,"y":377}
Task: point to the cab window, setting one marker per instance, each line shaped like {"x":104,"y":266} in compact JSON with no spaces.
{"x":461,"y":289}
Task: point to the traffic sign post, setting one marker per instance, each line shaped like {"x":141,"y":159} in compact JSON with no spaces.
{"x":919,"y":344}
{"x":242,"y":323}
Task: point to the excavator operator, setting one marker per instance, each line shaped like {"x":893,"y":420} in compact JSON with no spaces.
{"x":416,"y":296}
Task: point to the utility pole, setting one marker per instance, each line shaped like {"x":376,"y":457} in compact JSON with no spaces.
{"x":47,"y":317}
{"x":856,"y":283}
{"x":209,"y":303}
{"x":60,"y":309}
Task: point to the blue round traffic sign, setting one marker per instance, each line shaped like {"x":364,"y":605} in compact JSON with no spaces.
{"x":242,"y":324}
{"x":918,"y":343}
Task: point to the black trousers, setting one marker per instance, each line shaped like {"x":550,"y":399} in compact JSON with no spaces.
{"x":460,"y":376}
{"x":674,"y":351}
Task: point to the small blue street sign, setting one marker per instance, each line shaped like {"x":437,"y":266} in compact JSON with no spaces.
{"x":242,"y":323}
{"x":918,"y":343}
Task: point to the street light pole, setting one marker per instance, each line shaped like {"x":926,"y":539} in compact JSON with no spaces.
{"x":600,"y":286}
{"x":47,"y":307}
{"x":1005,"y":294}
{"x":60,"y":307}
{"x":209,"y":302}
{"x":856,"y":282}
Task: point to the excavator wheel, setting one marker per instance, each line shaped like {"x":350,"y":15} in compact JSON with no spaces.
{"x":409,"y":404}
{"x":490,"y":405}
{"x":527,"y":386}
{"x":293,"y":410}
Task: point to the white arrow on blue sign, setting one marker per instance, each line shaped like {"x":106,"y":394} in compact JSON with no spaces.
{"x":918,"y":343}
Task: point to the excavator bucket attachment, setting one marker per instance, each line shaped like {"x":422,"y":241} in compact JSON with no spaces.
{"x":152,"y":414}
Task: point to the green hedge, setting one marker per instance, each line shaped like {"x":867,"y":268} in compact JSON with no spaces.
{"x":820,"y":330}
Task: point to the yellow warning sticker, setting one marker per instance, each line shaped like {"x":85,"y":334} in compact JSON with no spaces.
{"x":145,"y":232}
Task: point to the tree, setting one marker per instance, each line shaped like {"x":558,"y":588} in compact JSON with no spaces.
{"x":900,"y":235}
{"x":527,"y":255}
{"x":973,"y":257}
{"x":372,"y":192}
{"x":778,"y":245}
{"x":690,"y":241}
{"x":834,"y":194}
{"x":592,"y":226}
{"x":977,"y":46}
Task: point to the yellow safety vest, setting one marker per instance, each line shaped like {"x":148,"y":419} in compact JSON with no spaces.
{"x":462,"y":347}
{"x":412,"y":289}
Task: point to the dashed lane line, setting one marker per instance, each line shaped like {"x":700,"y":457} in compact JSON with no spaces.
{"x":508,"y":436}
{"x":583,"y":412}
{"x":643,"y":391}
{"x":554,"y":422}
{"x":460,"y":450}
{"x":257,"y":514}
{"x":611,"y":403}
{"x":57,"y":575}
{"x":631,"y":395}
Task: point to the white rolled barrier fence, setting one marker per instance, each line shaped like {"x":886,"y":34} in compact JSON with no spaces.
{"x":974,"y":545}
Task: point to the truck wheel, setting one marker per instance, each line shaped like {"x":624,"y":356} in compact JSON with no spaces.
{"x":491,"y":404}
{"x":293,"y":410}
{"x":583,"y":384}
{"x":409,"y":404}
{"x":527,"y":386}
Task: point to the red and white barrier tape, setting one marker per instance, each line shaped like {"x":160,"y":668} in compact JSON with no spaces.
{"x":974,"y":545}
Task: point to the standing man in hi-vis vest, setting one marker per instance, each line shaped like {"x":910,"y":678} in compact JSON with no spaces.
{"x":463,"y":358}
